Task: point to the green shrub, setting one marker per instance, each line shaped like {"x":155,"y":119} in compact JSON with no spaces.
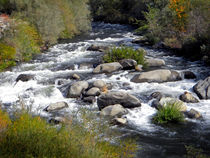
{"x":116,"y":54}
{"x":32,"y":137}
{"x":193,"y":152}
{"x":169,"y":113}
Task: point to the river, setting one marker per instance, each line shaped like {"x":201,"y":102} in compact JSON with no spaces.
{"x":62,"y":60}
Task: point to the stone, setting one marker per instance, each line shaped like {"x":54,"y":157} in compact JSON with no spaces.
{"x":175,"y":76}
{"x":155,"y":62}
{"x":93,"y":92}
{"x":156,"y":95}
{"x":116,"y":110}
{"x":24,"y":77}
{"x":163,"y":101}
{"x":120,"y":121}
{"x":122,"y":98}
{"x":194,"y":114}
{"x":77,"y":88}
{"x":188,"y":75}
{"x":107,"y":68}
{"x":98,"y":48}
{"x":128,"y":64}
{"x":57,"y":120}
{"x":202,"y":88}
{"x":99,"y":83}
{"x":139,"y":68}
{"x":56,"y":106}
{"x":75,"y":76}
{"x":90,"y":99}
{"x":188,"y":98}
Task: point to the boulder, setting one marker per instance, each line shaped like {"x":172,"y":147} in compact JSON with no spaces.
{"x":128,"y":64}
{"x":163,"y":101}
{"x":120,"y":121}
{"x":116,"y":110}
{"x":122,"y":98}
{"x":175,"y":76}
{"x":188,"y":75}
{"x":194,"y":114}
{"x":188,"y":98}
{"x":98,"y":48}
{"x":108,"y":68}
{"x":152,"y":76}
{"x":93,"y":92}
{"x":156,"y":95}
{"x":77,"y":88}
{"x":99,"y":83}
{"x":155,"y":62}
{"x":202,"y":88}
{"x":56,"y":106}
{"x":90,"y":99}
{"x":24,"y":77}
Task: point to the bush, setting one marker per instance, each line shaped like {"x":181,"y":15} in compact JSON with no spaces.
{"x":4,"y":122}
{"x":169,"y":113}
{"x":32,"y":137}
{"x":193,"y":152}
{"x":116,"y":54}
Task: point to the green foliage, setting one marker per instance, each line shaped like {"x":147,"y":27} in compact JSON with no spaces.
{"x":169,"y":113}
{"x":32,"y":137}
{"x":193,"y":152}
{"x":116,"y":54}
{"x":7,"y":56}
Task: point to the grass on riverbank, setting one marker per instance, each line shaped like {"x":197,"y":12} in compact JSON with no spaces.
{"x":116,"y":54}
{"x":169,"y":113}
{"x":28,"y":136}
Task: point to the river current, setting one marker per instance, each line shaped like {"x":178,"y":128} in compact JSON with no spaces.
{"x":69,"y":57}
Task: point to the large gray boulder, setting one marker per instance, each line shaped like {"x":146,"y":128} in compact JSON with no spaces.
{"x":159,"y":76}
{"x":108,"y":68}
{"x":77,"y":88}
{"x":202,"y":88}
{"x":155,"y":62}
{"x":93,"y":92}
{"x":56,"y":106}
{"x":122,"y":98}
{"x":128,"y":64}
{"x":99,"y":83}
{"x":116,"y":110}
{"x":188,"y":98}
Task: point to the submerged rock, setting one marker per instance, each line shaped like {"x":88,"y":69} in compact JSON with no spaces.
{"x":128,"y":64}
{"x":155,"y":62}
{"x":188,"y":98}
{"x":77,"y":88}
{"x":56,"y":106}
{"x":122,"y":98}
{"x":116,"y":110}
{"x":202,"y":88}
{"x":24,"y":77}
{"x":108,"y":68}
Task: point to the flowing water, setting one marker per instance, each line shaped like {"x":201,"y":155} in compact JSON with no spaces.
{"x":61,"y":61}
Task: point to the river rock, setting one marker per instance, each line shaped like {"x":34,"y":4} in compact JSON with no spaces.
{"x":108,"y":68}
{"x":56,"y":106}
{"x":188,"y":98}
{"x":90,"y":99}
{"x":128,"y":64}
{"x":194,"y":114}
{"x":120,"y":121}
{"x":188,"y":75}
{"x":99,"y":83}
{"x":98,"y":48}
{"x":24,"y":77}
{"x":163,"y":101}
{"x":155,"y":62}
{"x":156,"y":95}
{"x":139,"y":68}
{"x":116,"y":110}
{"x":75,"y":76}
{"x":159,"y":76}
{"x":93,"y":92}
{"x":122,"y":98}
{"x":57,"y":120}
{"x":202,"y":88}
{"x":77,"y":88}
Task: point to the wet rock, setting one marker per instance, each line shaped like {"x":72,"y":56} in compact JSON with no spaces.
{"x":77,"y":88}
{"x":93,"y":92}
{"x":128,"y":64}
{"x":165,"y":100}
{"x":156,"y":95}
{"x":116,"y":110}
{"x":90,"y":99}
{"x":188,"y":75}
{"x":98,"y":48}
{"x":107,"y":68}
{"x":75,"y":76}
{"x":202,"y":88}
{"x":119,"y":121}
{"x":139,"y":68}
{"x":57,"y":120}
{"x":99,"y":83}
{"x":159,"y":76}
{"x":56,"y":106}
{"x":175,"y":76}
{"x":122,"y":98}
{"x":188,"y":98}
{"x":24,"y":77}
{"x":194,"y":114}
{"x":155,"y":62}
{"x":85,"y":66}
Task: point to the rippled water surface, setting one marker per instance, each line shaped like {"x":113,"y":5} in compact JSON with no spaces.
{"x":63,"y":60}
